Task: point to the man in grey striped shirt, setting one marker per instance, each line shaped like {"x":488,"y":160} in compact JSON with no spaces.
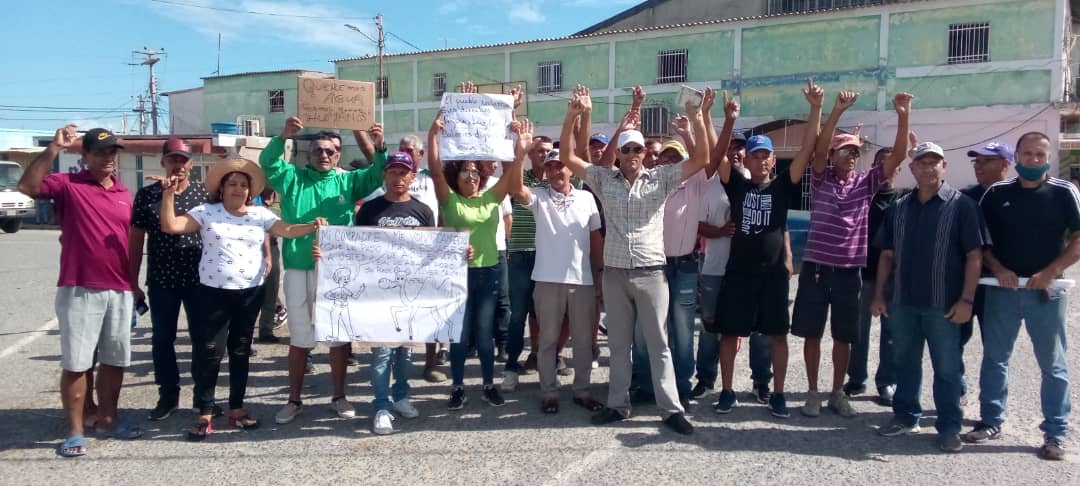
{"x":931,"y":243}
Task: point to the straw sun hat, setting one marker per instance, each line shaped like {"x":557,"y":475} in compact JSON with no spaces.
{"x":223,"y":167}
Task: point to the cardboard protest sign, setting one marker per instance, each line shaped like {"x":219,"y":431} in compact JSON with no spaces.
{"x":334,"y":103}
{"x":477,"y":127}
{"x":390,"y":285}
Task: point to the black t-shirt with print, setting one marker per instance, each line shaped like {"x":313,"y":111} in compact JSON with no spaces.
{"x":172,"y":260}
{"x":760,"y":217}
{"x":1028,"y":226}
{"x":383,"y":212}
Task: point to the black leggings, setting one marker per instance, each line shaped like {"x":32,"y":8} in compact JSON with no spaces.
{"x":224,"y":318}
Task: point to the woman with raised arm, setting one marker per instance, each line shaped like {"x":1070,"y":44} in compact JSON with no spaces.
{"x":231,"y":274}
{"x":465,"y":205}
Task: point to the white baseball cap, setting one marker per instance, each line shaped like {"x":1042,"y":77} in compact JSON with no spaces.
{"x":631,"y":136}
{"x":927,"y":148}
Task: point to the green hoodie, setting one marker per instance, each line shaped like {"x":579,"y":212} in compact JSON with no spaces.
{"x":307,"y":193}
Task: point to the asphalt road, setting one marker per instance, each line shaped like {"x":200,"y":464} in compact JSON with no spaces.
{"x":515,"y":444}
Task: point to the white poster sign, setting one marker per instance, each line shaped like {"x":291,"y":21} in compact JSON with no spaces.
{"x":390,"y":285}
{"x":477,"y":127}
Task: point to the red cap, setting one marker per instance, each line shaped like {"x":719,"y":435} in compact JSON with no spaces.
{"x":176,"y":146}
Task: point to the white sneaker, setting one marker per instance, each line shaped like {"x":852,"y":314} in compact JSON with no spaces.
{"x":288,"y":413}
{"x":383,"y":423}
{"x":406,"y":408}
{"x":509,"y":382}
{"x":812,"y":407}
{"x":343,"y":408}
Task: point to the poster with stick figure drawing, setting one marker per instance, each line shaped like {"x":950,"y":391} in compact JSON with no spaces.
{"x":390,"y":285}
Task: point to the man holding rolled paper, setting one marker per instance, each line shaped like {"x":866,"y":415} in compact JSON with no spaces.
{"x":1033,"y":221}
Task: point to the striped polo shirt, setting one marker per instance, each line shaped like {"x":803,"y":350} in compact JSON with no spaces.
{"x":523,"y":229}
{"x":839,"y":216}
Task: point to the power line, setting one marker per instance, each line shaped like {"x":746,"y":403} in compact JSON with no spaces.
{"x":410,"y":44}
{"x":253,"y":12}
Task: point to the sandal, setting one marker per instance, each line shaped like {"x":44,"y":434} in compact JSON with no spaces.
{"x":550,"y":406}
{"x":199,"y":431}
{"x":121,"y":432}
{"x":74,"y":446}
{"x":244,"y":422}
{"x":588,"y":404}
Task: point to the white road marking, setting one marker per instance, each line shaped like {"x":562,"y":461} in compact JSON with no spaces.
{"x":39,"y":332}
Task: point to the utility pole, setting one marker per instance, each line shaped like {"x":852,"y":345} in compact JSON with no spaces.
{"x":218,"y":71}
{"x":141,"y":110}
{"x":150,"y":60}
{"x":382,"y":43}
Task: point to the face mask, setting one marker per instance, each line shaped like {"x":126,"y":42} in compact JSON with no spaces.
{"x":1031,"y":173}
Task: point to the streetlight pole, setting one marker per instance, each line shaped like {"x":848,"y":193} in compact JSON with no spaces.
{"x":380,"y":43}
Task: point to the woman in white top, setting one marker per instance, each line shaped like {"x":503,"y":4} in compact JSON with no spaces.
{"x":231,"y":274}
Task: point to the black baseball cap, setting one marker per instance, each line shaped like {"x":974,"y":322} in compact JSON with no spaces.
{"x":99,"y":138}
{"x":739,"y":137}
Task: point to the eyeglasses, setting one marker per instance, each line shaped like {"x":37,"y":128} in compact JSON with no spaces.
{"x":987,"y":161}
{"x":849,"y":151}
{"x":637,"y":149}
{"x":469,"y":173}
{"x":328,"y":151}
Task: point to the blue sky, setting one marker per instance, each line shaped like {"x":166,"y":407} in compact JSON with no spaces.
{"x":70,"y":54}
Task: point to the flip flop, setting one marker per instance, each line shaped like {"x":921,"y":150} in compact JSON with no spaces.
{"x":122,"y":432}
{"x":74,"y":446}
{"x":588,"y":404}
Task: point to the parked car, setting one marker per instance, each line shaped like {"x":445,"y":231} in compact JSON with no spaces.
{"x":14,"y":205}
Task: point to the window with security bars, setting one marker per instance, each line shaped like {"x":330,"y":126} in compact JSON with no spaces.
{"x":277,"y":101}
{"x":655,"y":121}
{"x":438,"y":84}
{"x":382,"y":88}
{"x":969,"y":43}
{"x":549,"y":75}
{"x":671,"y":66}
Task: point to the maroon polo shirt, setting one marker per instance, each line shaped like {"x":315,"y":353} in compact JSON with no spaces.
{"x":94,"y":225}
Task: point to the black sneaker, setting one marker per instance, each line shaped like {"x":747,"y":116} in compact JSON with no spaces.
{"x":457,"y":399}
{"x":885,"y":395}
{"x":530,"y":363}
{"x":852,"y":389}
{"x":493,"y":397}
{"x":607,"y":416}
{"x":778,"y":406}
{"x":679,"y":424}
{"x":500,"y":354}
{"x":268,"y":339}
{"x":982,"y":433}
{"x":761,"y":393}
{"x":700,"y":390}
{"x":725,"y":402}
{"x":1052,"y":450}
{"x":163,"y":410}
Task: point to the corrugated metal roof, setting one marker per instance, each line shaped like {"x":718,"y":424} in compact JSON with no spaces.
{"x":623,"y":31}
{"x":280,"y":71}
{"x":167,"y":93}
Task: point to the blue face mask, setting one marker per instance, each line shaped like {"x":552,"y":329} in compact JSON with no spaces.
{"x":1031,"y":173}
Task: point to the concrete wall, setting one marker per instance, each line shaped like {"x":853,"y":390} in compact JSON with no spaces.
{"x":186,"y":112}
{"x":225,"y":98}
{"x":683,"y":11}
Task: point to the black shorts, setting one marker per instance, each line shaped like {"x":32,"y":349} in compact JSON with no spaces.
{"x":754,"y":302}
{"x":823,"y":288}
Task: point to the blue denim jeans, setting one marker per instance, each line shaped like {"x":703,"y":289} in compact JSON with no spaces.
{"x":382,"y":360}
{"x":479,"y":324}
{"x":911,"y":328}
{"x":682,"y":288}
{"x":502,"y":305}
{"x":521,"y":305}
{"x":1044,"y":319}
{"x":164,"y":313}
{"x":860,"y":350}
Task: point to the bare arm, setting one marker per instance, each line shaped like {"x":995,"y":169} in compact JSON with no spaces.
{"x":581,"y":132}
{"x":364,"y":142}
{"x":789,"y":260}
{"x":282,"y":229}
{"x":902,"y":104}
{"x":630,"y":122}
{"x":1006,"y":278}
{"x":596,"y":250}
{"x":700,"y":157}
{"x":30,"y":182}
{"x":712,"y":231}
{"x":884,"y":273}
{"x":681,"y":125}
{"x":512,"y":180}
{"x":442,"y":189}
{"x":814,"y":94}
{"x":960,"y":312}
{"x":567,"y":155}
{"x":136,"y":239}
{"x":170,"y":222}
{"x":1071,"y":255}
{"x":719,"y":157}
{"x":844,"y":100}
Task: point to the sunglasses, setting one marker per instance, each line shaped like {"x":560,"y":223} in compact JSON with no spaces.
{"x":469,"y":173}
{"x":637,"y":149}
{"x":328,"y":151}
{"x":849,"y":151}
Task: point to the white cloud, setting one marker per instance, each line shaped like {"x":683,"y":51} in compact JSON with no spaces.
{"x":287,"y":25}
{"x":527,"y":12}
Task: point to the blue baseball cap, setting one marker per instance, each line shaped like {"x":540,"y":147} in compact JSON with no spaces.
{"x":599,"y":137}
{"x":758,"y":142}
{"x":993,"y":149}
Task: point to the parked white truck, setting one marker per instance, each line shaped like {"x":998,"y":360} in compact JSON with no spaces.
{"x":14,"y":205}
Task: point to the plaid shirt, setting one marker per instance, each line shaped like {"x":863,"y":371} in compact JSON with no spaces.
{"x":634,"y":213}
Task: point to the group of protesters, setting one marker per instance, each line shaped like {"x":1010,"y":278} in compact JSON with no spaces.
{"x":651,"y":232}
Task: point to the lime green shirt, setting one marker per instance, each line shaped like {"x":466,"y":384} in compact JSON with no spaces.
{"x":479,"y":215}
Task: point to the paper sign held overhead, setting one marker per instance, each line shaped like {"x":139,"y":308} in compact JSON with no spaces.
{"x":477,"y":127}
{"x":334,"y":103}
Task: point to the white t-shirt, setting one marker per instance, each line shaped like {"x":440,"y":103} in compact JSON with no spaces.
{"x":563,"y":224}
{"x":504,"y":210}
{"x":717,"y":212}
{"x":232,"y":250}
{"x":422,"y":189}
